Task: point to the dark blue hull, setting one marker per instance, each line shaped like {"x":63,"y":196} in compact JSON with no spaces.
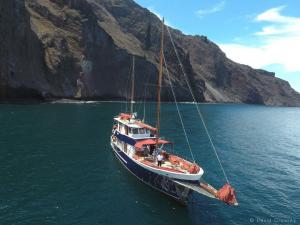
{"x":156,"y":181}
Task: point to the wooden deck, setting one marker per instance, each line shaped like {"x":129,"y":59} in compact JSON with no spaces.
{"x":180,"y":166}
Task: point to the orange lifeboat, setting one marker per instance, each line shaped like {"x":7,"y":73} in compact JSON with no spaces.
{"x":194,"y":168}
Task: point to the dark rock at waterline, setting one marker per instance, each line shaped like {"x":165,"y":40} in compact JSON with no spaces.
{"x":45,"y":44}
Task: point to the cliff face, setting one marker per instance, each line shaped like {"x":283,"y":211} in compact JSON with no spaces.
{"x":21,"y":62}
{"x":45,"y":44}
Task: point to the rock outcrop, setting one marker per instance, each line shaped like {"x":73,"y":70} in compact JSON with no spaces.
{"x":45,"y":44}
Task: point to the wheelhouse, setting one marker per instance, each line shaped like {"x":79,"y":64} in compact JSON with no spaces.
{"x":133,"y":128}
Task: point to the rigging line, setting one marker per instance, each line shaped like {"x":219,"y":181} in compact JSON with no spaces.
{"x":125,"y":94}
{"x":145,"y":93}
{"x":132,"y":85}
{"x":138,"y":107}
{"x":143,"y":99}
{"x":141,"y":102}
{"x":178,"y":111}
{"x":197,"y":107}
{"x":144,"y":109}
{"x":126,"y":88}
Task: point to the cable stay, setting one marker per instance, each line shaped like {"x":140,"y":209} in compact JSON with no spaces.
{"x":126,"y":88}
{"x":195,"y":102}
{"x":132,"y":86}
{"x":141,"y":106}
{"x":144,"y":103}
{"x":178,"y":111}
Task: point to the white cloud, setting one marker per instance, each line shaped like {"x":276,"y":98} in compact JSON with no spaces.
{"x":279,"y":24}
{"x":216,"y":8}
{"x":273,"y":15}
{"x":277,"y":43}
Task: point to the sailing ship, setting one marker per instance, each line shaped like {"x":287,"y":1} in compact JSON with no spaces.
{"x":142,"y":151}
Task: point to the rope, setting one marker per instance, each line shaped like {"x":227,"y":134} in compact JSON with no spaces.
{"x":177,"y":107}
{"x":145,"y":92}
{"x":142,"y":103}
{"x":144,"y":114}
{"x":126,"y":88}
{"x":197,"y":107}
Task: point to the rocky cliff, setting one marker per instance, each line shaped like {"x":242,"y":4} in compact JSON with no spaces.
{"x":45,"y":44}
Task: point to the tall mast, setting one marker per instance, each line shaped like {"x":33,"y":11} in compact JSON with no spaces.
{"x":159,"y":83}
{"x":132,"y":85}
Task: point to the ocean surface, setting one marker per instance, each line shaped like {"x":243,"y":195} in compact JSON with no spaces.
{"x":57,"y":167}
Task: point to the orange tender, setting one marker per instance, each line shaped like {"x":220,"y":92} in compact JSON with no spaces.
{"x":194,"y":169}
{"x":227,"y":194}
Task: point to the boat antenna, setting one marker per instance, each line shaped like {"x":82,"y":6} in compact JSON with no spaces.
{"x":132,"y":85}
{"x":159,"y":83}
{"x":197,"y":107}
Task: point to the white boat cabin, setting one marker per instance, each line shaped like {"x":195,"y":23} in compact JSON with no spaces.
{"x":145,"y":144}
{"x":134,"y":128}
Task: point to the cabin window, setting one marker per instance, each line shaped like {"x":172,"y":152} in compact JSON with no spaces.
{"x":135,"y":131}
{"x":141,"y":131}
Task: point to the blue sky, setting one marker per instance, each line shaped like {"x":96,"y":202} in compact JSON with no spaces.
{"x":260,"y":33}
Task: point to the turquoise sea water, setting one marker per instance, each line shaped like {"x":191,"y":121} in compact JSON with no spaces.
{"x":56,"y":166}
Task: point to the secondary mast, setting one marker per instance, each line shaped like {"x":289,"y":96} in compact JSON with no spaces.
{"x":160,"y":74}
